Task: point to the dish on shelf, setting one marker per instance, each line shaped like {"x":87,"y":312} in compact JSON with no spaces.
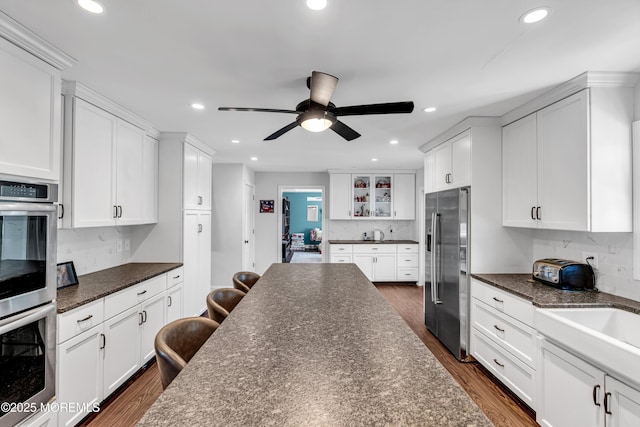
{"x":360,"y":183}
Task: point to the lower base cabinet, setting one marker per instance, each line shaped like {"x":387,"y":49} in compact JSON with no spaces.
{"x":386,"y":262}
{"x":573,"y":392}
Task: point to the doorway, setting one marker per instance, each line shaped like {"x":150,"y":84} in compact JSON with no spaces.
{"x":301,"y":224}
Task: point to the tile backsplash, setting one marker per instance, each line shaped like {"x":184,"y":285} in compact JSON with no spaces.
{"x":93,"y":249}
{"x":353,"y":229}
{"x":615,"y":256}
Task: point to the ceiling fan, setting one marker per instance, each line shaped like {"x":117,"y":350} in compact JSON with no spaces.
{"x":318,"y":113}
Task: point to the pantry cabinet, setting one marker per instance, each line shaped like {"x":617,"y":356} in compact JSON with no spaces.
{"x":197,"y":261}
{"x":567,"y":166}
{"x":197,"y":178}
{"x":449,"y":164}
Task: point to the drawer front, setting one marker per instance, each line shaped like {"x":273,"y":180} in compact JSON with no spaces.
{"x":341,"y":258}
{"x":79,"y":320}
{"x":516,"y":337}
{"x":339,"y":249}
{"x":407,"y":275}
{"x":505,"y":302}
{"x":407,"y":249}
{"x":520,"y":378}
{"x":374,"y":249}
{"x":174,"y":277}
{"x":407,"y":260}
{"x":127,"y":298}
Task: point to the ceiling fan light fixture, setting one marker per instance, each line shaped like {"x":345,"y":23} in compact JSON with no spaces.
{"x":316,"y":4}
{"x":535,"y":15}
{"x":316,"y":121}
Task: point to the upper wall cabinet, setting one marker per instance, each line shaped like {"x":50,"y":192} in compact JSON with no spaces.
{"x":197,"y":178}
{"x":30,"y":103}
{"x":371,"y":195}
{"x":110,"y":168}
{"x":567,"y":166}
{"x":450,"y":164}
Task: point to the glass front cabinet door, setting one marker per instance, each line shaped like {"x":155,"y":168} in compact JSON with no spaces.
{"x":382,"y":196}
{"x":372,"y":196}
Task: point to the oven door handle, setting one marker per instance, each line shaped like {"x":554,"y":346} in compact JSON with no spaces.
{"x":25,"y":318}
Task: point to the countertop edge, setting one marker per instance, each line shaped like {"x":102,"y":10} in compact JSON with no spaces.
{"x":373,"y":242}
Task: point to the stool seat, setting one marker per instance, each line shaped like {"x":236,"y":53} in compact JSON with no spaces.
{"x":220,"y":302}
{"x":244,"y":280}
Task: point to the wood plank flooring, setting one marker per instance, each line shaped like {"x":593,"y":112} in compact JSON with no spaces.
{"x":129,"y":405}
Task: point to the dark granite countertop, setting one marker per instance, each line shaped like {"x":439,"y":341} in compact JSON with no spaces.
{"x":545,"y":296}
{"x":314,"y":345}
{"x":372,"y":242}
{"x":96,"y":285}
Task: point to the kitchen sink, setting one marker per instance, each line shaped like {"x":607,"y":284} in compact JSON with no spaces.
{"x":608,"y":337}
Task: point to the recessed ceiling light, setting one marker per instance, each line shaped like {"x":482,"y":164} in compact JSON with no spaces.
{"x":374,"y":160}
{"x":393,"y":142}
{"x":235,"y":141}
{"x":316,"y":4}
{"x":254,"y":158}
{"x":91,"y":6}
{"x":197,"y":106}
{"x":429,"y":109}
{"x":535,"y":15}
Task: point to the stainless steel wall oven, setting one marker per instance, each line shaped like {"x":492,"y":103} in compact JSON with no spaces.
{"x":27,"y":293}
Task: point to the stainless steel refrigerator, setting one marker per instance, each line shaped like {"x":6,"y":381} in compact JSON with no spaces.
{"x":446,"y":292}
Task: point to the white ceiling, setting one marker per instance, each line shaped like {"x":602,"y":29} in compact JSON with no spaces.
{"x":467,"y":57}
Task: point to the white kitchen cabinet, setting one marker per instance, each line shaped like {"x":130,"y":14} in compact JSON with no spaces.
{"x":98,"y":143}
{"x":404,"y":196}
{"x":197,"y":261}
{"x":197,"y":178}
{"x":429,"y":172}
{"x":30,"y":110}
{"x":407,"y":262}
{"x":175,"y":302}
{"x":568,"y":166}
{"x":153,"y":318}
{"x":121,"y":349}
{"x":589,"y":396}
{"x":340,"y":196}
{"x":451,"y":164}
{"x":341,"y":253}
{"x":377,"y":262}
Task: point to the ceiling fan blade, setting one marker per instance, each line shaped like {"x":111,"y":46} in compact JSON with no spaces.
{"x":322,"y":87}
{"x":344,"y":131}
{"x":260,"y":110}
{"x":282,"y":131}
{"x":387,"y":108}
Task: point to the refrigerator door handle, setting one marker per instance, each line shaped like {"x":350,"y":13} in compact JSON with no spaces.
{"x":435,"y":219}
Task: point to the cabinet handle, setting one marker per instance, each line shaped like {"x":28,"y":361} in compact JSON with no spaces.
{"x":144,"y":317}
{"x":199,"y":228}
{"x":140,"y":319}
{"x":533,"y":209}
{"x":104,"y":341}
{"x":498,"y":363}
{"x":142,"y":293}
{"x":497,"y":299}
{"x":115,"y":211}
{"x":607,"y":396}
{"x":498,"y":328}
{"x":596,"y":388}
{"x":85,"y":319}
{"x":169,"y":300}
{"x":538,"y":217}
{"x":199,"y":200}
{"x":61,"y":211}
{"x":176,"y":277}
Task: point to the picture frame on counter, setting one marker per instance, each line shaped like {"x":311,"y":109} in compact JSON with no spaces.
{"x":66,"y":275}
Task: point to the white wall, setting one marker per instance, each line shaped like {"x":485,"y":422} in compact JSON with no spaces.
{"x":93,"y":249}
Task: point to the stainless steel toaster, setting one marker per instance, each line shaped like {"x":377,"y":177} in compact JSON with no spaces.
{"x":564,"y":274}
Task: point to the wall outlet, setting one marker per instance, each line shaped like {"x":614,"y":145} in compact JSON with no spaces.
{"x":590,"y":258}
{"x":127,"y":244}
{"x":119,"y":245}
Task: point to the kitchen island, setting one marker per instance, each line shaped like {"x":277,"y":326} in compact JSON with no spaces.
{"x":314,"y":344}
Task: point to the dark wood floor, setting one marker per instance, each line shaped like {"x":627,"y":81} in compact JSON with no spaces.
{"x":503,"y":410}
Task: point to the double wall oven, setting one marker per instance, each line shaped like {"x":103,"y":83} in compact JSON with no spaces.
{"x":27,"y":294}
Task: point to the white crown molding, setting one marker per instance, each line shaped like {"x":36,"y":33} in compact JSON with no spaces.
{"x":458,"y":128}
{"x":187,"y":137}
{"x":83,"y":92}
{"x":585,"y":80}
{"x":24,"y":38}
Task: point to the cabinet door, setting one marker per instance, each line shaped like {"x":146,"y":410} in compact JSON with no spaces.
{"x":442,"y":166}
{"x":190,"y":171}
{"x":519,"y":173}
{"x":384,"y":268}
{"x":153,"y":318}
{"x":130,"y":141}
{"x":362,"y":188}
{"x":29,"y":115}
{"x":150,"y":180}
{"x":79,"y":373}
{"x":623,"y":403}
{"x":404,"y":196}
{"x":365,"y":263}
{"x":204,"y":261}
{"x":570,"y":391}
{"x":382,"y":192}
{"x":121,"y":352}
{"x":563,"y":174}
{"x":204,"y":181}
{"x":429,"y":173}
{"x":460,"y":161}
{"x":175,"y":299}
{"x":93,"y":142}
{"x":340,"y":196}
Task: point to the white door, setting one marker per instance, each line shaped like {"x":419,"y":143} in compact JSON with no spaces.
{"x":563,"y":171}
{"x":122,"y":348}
{"x":153,"y":318}
{"x":204,"y":261}
{"x":93,"y":156}
{"x":404,"y":196}
{"x":248,"y":229}
{"x":190,"y":263}
{"x":130,"y":142}
{"x":340,"y":196}
{"x":79,"y":373}
{"x":175,"y":301}
{"x":520,"y":173}
{"x":623,"y":403}
{"x":442,"y":166}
